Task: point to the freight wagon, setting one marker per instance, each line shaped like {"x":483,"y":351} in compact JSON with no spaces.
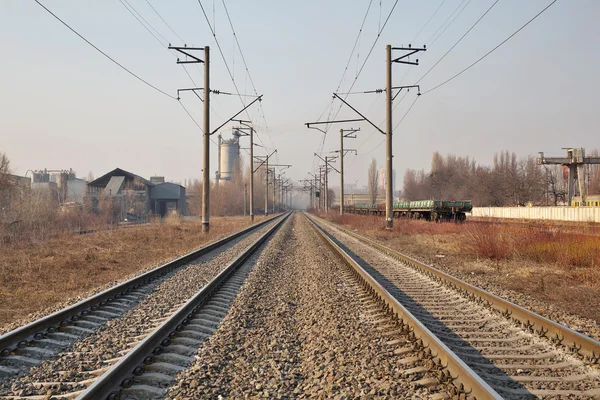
{"x":430,"y":210}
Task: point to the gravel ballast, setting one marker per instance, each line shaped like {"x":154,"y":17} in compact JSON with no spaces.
{"x":117,"y":336}
{"x":296,"y":331}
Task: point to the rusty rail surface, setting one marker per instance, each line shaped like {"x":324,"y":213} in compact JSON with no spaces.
{"x":559,"y":334}
{"x":462,"y":374}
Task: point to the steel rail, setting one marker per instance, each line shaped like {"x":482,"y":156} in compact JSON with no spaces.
{"x":559,"y":334}
{"x":473,"y":384}
{"x":122,"y":373}
{"x":23,"y":335}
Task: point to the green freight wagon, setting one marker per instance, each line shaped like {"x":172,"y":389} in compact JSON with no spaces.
{"x":433,"y":210}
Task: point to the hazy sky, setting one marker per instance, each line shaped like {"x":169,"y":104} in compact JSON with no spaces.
{"x":63,"y":105}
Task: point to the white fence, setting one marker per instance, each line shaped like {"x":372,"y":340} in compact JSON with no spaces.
{"x":577,"y":214}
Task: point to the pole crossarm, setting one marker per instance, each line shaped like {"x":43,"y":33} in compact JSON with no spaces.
{"x":266,"y":159}
{"x":308,"y":124}
{"x":327,"y":162}
{"x":406,"y":87}
{"x":194,"y":90}
{"x":346,"y":151}
{"x":358,"y":112}
{"x":410,"y":51}
{"x":186,"y":51}
{"x":238,"y":113}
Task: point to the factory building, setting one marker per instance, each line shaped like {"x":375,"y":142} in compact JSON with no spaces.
{"x":129,"y":197}
{"x":62,"y":183}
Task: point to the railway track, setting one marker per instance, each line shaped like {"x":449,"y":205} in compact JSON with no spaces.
{"x":489,"y":347}
{"x":133,"y":309}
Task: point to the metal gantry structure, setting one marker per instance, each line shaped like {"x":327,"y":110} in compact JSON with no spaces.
{"x":574,"y":161}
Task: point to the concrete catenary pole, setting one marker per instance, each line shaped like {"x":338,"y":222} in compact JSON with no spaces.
{"x":251,"y":174}
{"x":245,"y":199}
{"x":388,"y":139}
{"x":206,"y":161}
{"x":267,"y":188}
{"x":316,"y":203}
{"x":274,"y":194}
{"x":326,"y":186}
{"x":341,"y":172}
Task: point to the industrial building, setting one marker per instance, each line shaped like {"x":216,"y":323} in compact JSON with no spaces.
{"x":62,"y":183}
{"x":229,"y":156}
{"x":127,"y":196}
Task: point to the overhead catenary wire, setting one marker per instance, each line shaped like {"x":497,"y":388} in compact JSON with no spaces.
{"x":163,"y":20}
{"x":119,"y":64}
{"x":210,"y":26}
{"x":428,"y":21}
{"x":459,"y":40}
{"x":492,"y":50}
{"x":247,"y":71}
{"x":147,"y":23}
{"x":428,"y":41}
{"x":103,"y":53}
{"x":360,"y":71}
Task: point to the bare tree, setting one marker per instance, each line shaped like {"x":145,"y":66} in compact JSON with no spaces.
{"x":90,"y":176}
{"x":330,"y":198}
{"x":373,"y":181}
{"x":4,"y":172}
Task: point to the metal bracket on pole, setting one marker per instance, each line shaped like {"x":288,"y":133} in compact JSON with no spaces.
{"x":358,"y":112}
{"x":184,"y":50}
{"x":411,"y":50}
{"x":238,"y":113}
{"x":327,"y":162}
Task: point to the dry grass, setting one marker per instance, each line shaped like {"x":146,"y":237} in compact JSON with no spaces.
{"x":36,"y":276}
{"x":557,"y":267}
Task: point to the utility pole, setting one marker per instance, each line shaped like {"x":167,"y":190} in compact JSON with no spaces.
{"x":389,"y":195}
{"x":245,"y":199}
{"x":274,"y":193}
{"x":344,"y":133}
{"x":188,"y":52}
{"x":249,"y":128}
{"x":403,"y":59}
{"x":389,"y":183}
{"x":266,"y":162}
{"x":327,"y":160}
{"x":251,"y":174}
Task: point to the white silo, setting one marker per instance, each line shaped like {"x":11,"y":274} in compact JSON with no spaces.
{"x":229,"y":152}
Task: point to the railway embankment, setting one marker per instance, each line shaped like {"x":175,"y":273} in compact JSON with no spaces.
{"x":552,"y":271}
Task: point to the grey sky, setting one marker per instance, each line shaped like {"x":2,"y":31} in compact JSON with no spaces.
{"x":64,"y":105}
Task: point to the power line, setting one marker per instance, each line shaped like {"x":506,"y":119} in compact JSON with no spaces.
{"x":492,"y":50}
{"x":125,"y":2}
{"x":429,"y":20}
{"x":360,"y":70}
{"x":247,"y":70}
{"x":450,"y":24}
{"x":459,"y":40}
{"x":120,"y":65}
{"x":127,"y":5}
{"x":225,"y":60}
{"x":103,"y":53}
{"x":165,"y":22}
{"x":355,"y":44}
{"x":447,"y":19}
